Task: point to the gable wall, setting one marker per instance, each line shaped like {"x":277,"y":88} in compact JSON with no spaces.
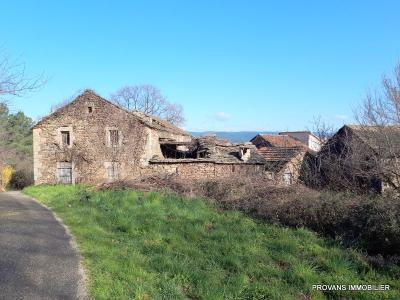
{"x":292,"y":167}
{"x":259,"y":142}
{"x":90,"y":153}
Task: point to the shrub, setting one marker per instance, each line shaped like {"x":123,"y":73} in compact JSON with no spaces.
{"x":5,"y":176}
{"x":370,"y":222}
{"x":163,"y":246}
{"x":83,"y":195}
{"x":21,"y":179}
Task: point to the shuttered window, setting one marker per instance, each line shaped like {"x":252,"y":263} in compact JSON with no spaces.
{"x":65,"y":138}
{"x":113,"y":172}
{"x":114,"y":137}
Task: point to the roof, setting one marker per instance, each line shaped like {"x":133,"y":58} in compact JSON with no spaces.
{"x":301,"y":131}
{"x":158,"y":123}
{"x":281,"y":140}
{"x":284,"y":154}
{"x":277,"y":157}
{"x":298,"y":131}
{"x":217,"y":151}
{"x":231,"y":153}
{"x":377,"y":137}
{"x":149,"y":120}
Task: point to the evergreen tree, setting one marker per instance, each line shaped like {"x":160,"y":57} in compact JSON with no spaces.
{"x":16,"y":138}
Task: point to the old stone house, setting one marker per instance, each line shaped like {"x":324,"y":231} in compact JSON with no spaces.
{"x":284,"y":155}
{"x":360,"y":158}
{"x":283,"y":163}
{"x":93,"y":140}
{"x":274,"y":140}
{"x":210,"y":157}
{"x":306,"y":138}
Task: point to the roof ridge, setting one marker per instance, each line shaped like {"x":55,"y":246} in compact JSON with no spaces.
{"x":281,"y":140}
{"x":92,"y":92}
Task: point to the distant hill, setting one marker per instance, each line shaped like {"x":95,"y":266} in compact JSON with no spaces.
{"x":233,"y":136}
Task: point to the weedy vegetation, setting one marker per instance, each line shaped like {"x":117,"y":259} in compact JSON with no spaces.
{"x":158,"y":245}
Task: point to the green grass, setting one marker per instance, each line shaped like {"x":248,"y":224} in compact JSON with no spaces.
{"x":157,"y":246}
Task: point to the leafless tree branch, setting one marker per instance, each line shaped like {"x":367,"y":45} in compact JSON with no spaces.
{"x":14,"y":81}
{"x":149,"y":100}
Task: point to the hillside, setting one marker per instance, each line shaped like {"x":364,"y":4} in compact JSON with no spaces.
{"x":140,"y":245}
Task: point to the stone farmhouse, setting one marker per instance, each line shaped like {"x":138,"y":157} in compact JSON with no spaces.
{"x":361,"y":157}
{"x":93,"y":140}
{"x":210,"y":157}
{"x":285,"y":154}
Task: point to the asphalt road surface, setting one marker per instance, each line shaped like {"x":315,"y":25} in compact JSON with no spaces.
{"x":37,"y":257}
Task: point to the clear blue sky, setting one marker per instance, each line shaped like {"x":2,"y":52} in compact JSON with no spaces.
{"x":233,"y":65}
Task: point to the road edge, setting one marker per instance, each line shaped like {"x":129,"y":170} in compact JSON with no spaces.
{"x":83,"y":283}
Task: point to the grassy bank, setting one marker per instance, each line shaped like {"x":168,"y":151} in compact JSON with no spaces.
{"x":156,"y":246}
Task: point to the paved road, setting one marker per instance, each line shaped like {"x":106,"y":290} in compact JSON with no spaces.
{"x":37,"y":260}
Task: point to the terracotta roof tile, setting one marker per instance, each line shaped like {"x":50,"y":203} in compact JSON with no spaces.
{"x":283,"y":154}
{"x":281,"y":140}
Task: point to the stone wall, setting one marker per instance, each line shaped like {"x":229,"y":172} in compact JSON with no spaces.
{"x":90,"y":150}
{"x":293,"y":168}
{"x":204,"y":169}
{"x":93,"y":158}
{"x":153,"y":145}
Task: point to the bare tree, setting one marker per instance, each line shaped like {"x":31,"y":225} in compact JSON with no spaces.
{"x":379,"y":119}
{"x":382,"y":108}
{"x":310,"y":172}
{"x":322,"y":129}
{"x":149,"y":100}
{"x":13,"y":78}
{"x":13,"y":83}
{"x":366,"y":156}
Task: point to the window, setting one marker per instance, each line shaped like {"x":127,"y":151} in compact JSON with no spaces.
{"x":114,"y":138}
{"x":112,"y":171}
{"x":65,"y":138}
{"x":90,"y":109}
{"x":288,"y":178}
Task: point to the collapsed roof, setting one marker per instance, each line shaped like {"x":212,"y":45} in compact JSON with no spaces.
{"x":158,"y":123}
{"x":212,"y":149}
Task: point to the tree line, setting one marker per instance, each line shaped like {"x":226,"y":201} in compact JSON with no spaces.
{"x":15,"y":128}
{"x":16,"y":147}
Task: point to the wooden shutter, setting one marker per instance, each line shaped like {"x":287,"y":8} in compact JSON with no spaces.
{"x":114,"y":138}
{"x":65,"y":173}
{"x":65,"y":137}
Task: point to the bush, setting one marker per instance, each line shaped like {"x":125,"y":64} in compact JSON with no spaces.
{"x":370,"y":222}
{"x":21,"y":179}
{"x":163,"y":246}
{"x":6,"y":173}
